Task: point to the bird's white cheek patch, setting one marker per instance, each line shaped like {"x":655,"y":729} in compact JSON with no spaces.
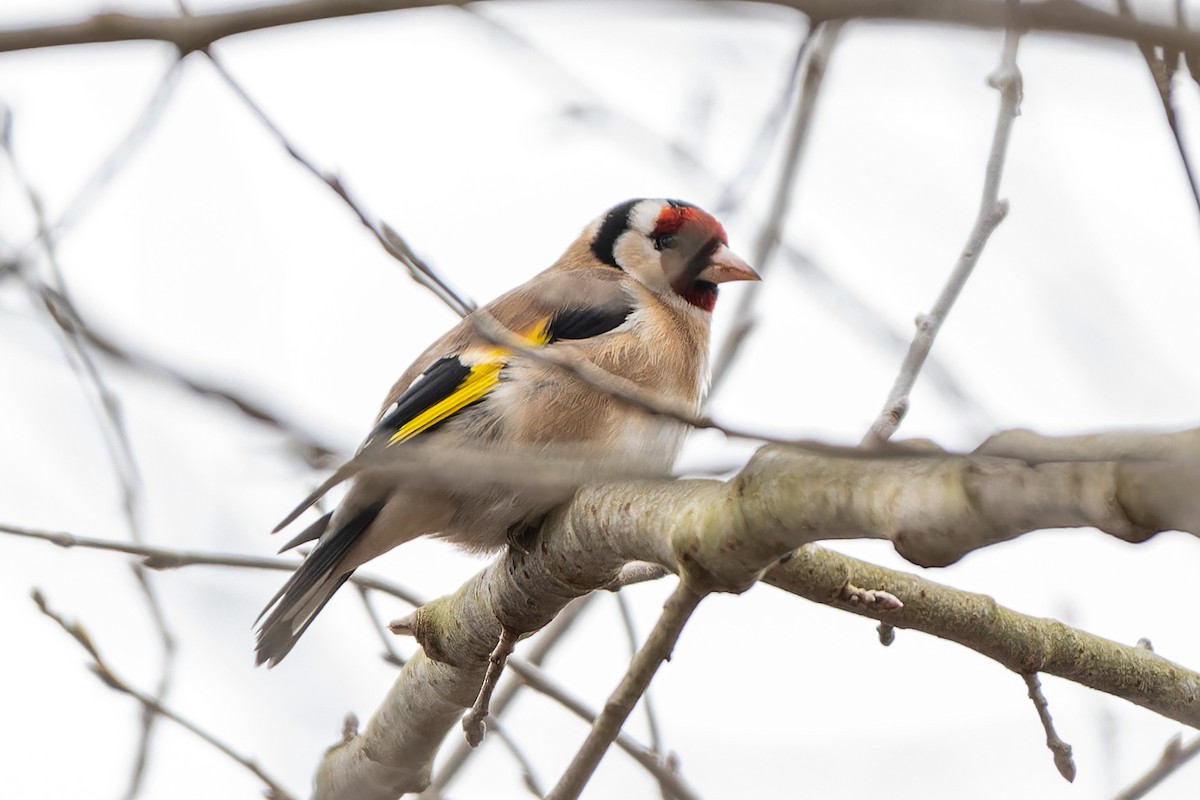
{"x":636,"y":254}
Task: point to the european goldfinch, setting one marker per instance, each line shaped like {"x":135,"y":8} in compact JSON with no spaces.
{"x":633,"y":295}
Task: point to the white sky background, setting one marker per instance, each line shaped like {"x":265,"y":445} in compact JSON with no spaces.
{"x":212,"y":251}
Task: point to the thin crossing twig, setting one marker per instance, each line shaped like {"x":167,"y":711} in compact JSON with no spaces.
{"x":393,"y":243}
{"x":992,"y":210}
{"x":1174,"y":756}
{"x":1163,"y":63}
{"x":818,"y":43}
{"x":55,"y":301}
{"x":677,"y":611}
{"x":101,"y":669}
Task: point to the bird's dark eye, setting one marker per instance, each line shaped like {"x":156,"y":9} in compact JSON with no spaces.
{"x":664,"y":242}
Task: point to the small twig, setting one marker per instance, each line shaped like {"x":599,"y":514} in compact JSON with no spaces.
{"x":312,"y":449}
{"x":1163,"y":63}
{"x":103,"y":671}
{"x":584,"y":104}
{"x":201,"y":30}
{"x":734,"y":192}
{"x":1174,"y":756}
{"x":108,"y":169}
{"x":395,"y":245}
{"x":527,"y":774}
{"x":669,"y":782}
{"x":865,"y":320}
{"x":160,"y":558}
{"x":1007,"y":80}
{"x":640,"y":139}
{"x":56,"y":302}
{"x":658,"y":647}
{"x":818,"y":42}
{"x":473,"y":722}
{"x":647,"y":704}
{"x":1060,"y":749}
{"x":615,"y":386}
{"x":391,"y":655}
{"x":538,"y":650}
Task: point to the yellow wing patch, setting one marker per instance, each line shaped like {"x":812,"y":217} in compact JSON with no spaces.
{"x":474,"y":387}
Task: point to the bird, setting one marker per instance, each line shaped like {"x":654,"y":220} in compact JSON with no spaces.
{"x":633,"y":295}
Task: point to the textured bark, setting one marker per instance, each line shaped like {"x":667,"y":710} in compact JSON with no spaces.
{"x":723,"y":536}
{"x":1022,"y":643}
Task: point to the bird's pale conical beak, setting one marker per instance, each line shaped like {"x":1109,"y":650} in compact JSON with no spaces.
{"x":725,"y":266}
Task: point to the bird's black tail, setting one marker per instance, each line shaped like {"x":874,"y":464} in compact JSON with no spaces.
{"x":296,"y":605}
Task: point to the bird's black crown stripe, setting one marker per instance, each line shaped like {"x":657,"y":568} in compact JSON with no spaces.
{"x":615,"y":223}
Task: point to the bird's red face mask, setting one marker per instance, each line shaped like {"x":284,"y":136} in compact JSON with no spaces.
{"x":695,"y":254}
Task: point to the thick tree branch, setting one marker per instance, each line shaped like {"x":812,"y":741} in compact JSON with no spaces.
{"x":1022,"y":643}
{"x":200,"y":30}
{"x":721,"y":536}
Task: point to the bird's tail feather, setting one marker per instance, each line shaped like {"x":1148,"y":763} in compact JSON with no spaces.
{"x":294,"y":607}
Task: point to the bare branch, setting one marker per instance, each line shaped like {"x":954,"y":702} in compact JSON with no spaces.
{"x":390,"y":654}
{"x":669,"y":782}
{"x":866,"y":320}
{"x":1022,"y":643}
{"x":201,"y":30}
{"x":392,"y":241}
{"x":160,"y":558}
{"x":1162,"y":66}
{"x":472,"y":723}
{"x":310,"y":446}
{"x":120,"y":155}
{"x":56,"y":302}
{"x":1033,"y":448}
{"x":527,"y":772}
{"x":722,"y":536}
{"x":1061,"y":750}
{"x":818,"y":43}
{"x":1174,"y":756}
{"x":104,"y":672}
{"x":647,"y":702}
{"x":1007,"y":80}
{"x":539,"y":649}
{"x":616,"y":386}
{"x":197,"y":31}
{"x":734,"y":192}
{"x":657,"y":649}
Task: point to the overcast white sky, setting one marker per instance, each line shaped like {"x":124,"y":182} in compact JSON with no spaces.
{"x":215,"y":253}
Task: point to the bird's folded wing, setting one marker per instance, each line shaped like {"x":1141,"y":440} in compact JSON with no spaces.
{"x":454,"y":382}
